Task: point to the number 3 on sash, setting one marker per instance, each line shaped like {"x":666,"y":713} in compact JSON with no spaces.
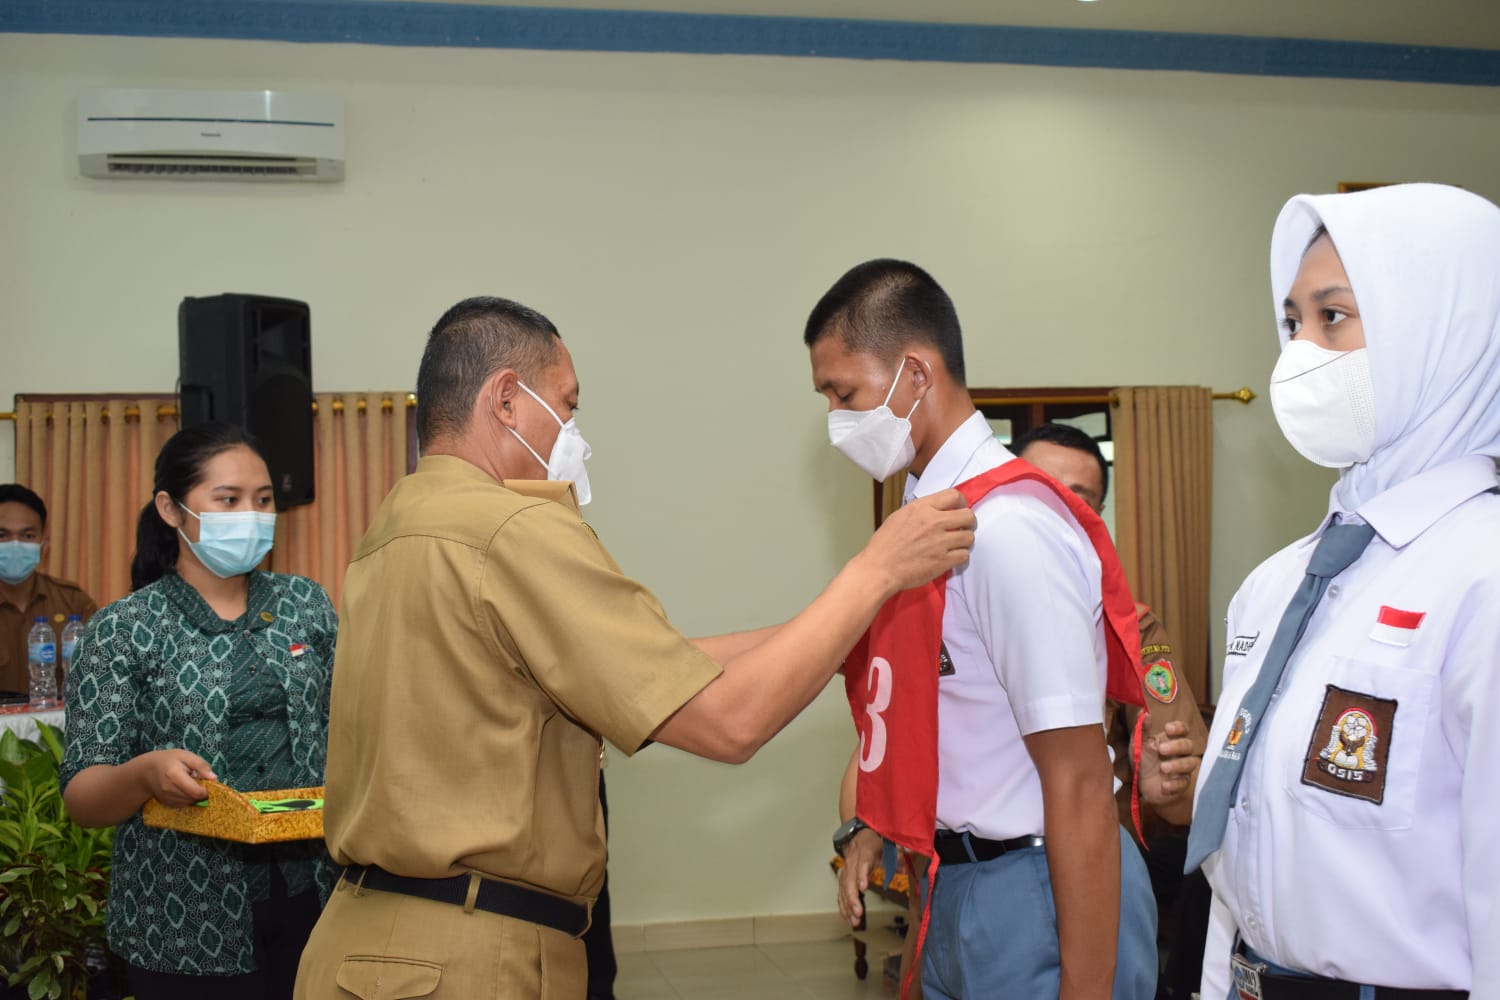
{"x":872,"y":744}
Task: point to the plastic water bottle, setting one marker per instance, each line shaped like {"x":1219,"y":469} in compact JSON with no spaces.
{"x":71,"y":633}
{"x":41,"y":658}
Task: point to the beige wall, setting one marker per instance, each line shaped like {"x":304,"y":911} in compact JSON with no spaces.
{"x":677,"y":217}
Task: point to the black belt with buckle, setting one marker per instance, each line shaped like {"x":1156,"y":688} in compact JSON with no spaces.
{"x":503,"y":898}
{"x":953,"y":848}
{"x":1280,"y":986}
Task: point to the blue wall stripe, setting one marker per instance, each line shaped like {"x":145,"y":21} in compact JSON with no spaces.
{"x":402,"y":22}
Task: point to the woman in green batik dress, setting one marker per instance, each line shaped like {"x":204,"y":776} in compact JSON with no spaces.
{"x":209,"y":670}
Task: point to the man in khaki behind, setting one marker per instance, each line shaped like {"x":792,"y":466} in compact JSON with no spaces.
{"x":487,"y":642}
{"x":25,"y":591}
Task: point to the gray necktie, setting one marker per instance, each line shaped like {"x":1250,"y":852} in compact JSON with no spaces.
{"x":1340,"y":545}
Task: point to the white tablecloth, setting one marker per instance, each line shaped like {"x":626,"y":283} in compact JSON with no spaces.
{"x":23,"y":724}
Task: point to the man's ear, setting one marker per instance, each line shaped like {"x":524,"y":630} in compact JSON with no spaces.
{"x":920,"y":369}
{"x":501,"y":392}
{"x":167,"y":509}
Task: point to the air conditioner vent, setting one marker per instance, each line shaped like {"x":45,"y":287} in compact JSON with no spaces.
{"x":212,"y":166}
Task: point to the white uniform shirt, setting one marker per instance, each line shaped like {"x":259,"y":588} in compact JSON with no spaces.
{"x":1400,"y":892}
{"x":1023,"y":626}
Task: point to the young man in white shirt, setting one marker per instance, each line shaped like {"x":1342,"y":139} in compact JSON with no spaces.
{"x":1034,"y":896}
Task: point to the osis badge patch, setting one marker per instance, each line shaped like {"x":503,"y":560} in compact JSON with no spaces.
{"x":1161,"y":682}
{"x":1350,"y":745}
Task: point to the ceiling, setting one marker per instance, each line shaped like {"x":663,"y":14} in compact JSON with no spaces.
{"x":1460,"y":23}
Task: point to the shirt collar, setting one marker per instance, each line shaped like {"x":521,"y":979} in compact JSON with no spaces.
{"x":948,"y":465}
{"x":452,"y":465}
{"x":1404,"y":511}
{"x":259,"y":604}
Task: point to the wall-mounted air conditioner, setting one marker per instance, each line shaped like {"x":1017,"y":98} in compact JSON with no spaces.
{"x":256,"y":135}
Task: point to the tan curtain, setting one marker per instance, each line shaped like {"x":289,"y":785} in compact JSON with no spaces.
{"x":1163,"y":438}
{"x":91,"y":459}
{"x":888,"y":496}
{"x":361,"y":447}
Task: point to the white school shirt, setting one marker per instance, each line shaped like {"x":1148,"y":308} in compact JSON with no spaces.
{"x":1023,"y":625}
{"x":1401,"y":893}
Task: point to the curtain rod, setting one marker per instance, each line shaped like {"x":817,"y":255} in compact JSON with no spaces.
{"x":1244,"y":394}
{"x":168,"y":410}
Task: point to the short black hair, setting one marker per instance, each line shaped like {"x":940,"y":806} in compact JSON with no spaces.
{"x":880,"y":306}
{"x":471,"y":342}
{"x":16,"y":493}
{"x":1066,"y":436}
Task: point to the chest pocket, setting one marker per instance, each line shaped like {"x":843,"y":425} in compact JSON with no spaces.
{"x":1362,"y":728}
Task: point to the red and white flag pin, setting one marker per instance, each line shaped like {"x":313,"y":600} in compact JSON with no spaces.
{"x":297,"y":649}
{"x":1395,"y":627}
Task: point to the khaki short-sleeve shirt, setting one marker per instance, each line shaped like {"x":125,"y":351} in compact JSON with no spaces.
{"x":1168,"y":698}
{"x":54,"y":598}
{"x":486,"y":642}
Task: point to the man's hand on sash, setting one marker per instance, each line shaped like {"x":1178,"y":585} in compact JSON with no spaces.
{"x":921,"y":541}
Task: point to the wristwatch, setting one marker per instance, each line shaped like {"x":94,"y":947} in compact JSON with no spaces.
{"x":845,"y":833}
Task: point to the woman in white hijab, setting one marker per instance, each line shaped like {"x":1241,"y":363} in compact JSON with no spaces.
{"x":1349,"y":804}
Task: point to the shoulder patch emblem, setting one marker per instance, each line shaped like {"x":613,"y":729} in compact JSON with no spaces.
{"x":1161,"y":681}
{"x":1350,"y":745}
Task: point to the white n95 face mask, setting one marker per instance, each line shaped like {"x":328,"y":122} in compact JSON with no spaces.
{"x":877,"y":440}
{"x":1325,"y":403}
{"x":569,"y":452}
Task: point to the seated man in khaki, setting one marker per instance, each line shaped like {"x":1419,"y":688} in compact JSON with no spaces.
{"x":25,"y":591}
{"x":487,"y":642}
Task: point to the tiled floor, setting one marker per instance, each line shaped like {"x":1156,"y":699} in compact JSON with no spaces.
{"x":818,"y":970}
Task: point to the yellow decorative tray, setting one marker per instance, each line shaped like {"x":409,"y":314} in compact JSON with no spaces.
{"x":232,"y":815}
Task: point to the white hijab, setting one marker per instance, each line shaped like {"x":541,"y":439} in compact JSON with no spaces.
{"x":1424,"y":263}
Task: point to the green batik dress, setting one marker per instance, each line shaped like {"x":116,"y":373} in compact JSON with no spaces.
{"x":160,"y":669}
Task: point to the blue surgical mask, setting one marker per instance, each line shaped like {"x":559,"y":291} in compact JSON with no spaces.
{"x":18,"y":560}
{"x":232,"y":543}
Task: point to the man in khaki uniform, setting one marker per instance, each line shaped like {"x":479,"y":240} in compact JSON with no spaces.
{"x":25,"y":591}
{"x":487,"y":642}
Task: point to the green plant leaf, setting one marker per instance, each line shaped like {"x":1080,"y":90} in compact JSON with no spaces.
{"x":51,"y":738}
{"x":11,"y":749}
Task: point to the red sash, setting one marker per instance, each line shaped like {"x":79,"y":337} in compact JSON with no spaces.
{"x":891,"y":677}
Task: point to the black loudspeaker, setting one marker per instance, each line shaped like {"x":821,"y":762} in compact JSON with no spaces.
{"x":247,"y":360}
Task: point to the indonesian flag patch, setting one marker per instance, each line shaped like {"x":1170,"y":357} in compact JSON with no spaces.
{"x":1395,"y":627}
{"x":297,"y":649}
